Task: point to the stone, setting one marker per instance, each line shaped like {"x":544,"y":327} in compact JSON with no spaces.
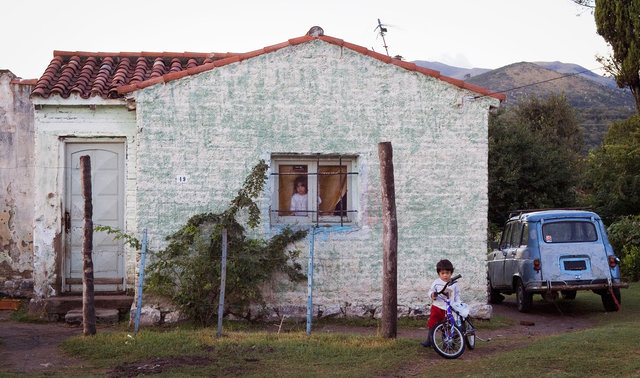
{"x":173,"y":317}
{"x":103,"y":315}
{"x":148,"y":316}
{"x":481,"y":311}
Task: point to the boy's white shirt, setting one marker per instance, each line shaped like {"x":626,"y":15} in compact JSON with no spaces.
{"x":452,"y":290}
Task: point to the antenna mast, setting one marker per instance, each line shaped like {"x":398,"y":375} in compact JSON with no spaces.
{"x":382,"y":31}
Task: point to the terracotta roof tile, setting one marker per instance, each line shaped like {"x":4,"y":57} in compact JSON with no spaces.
{"x":88,"y":74}
{"x":111,"y":75}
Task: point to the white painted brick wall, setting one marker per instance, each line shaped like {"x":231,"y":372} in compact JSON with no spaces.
{"x":53,"y":122}
{"x":320,"y":98}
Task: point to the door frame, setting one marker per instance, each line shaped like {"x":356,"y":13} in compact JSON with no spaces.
{"x":66,"y":281}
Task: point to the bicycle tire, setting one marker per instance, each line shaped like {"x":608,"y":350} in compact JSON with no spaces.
{"x":448,"y":340}
{"x":469,"y":332}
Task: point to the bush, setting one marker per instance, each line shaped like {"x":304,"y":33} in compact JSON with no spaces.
{"x":630,"y":264}
{"x":624,"y":235}
{"x":189,"y":270}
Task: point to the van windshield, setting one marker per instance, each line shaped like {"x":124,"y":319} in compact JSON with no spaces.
{"x":569,"y":232}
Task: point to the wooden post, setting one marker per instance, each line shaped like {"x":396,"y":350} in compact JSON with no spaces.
{"x":88,"y":305}
{"x":389,"y":243}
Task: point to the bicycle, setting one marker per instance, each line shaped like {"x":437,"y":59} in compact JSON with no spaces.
{"x":451,"y":335}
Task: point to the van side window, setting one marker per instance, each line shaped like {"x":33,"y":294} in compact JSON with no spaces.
{"x":516,"y":234}
{"x":506,"y":236}
{"x":525,"y":234}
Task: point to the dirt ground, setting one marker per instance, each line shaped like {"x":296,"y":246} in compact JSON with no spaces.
{"x":34,"y":348}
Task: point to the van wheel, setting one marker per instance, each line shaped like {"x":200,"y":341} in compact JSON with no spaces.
{"x":608,"y":302}
{"x":568,"y":294}
{"x":523,"y":299}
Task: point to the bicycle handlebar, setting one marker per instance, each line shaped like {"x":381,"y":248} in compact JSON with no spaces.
{"x":451,"y":282}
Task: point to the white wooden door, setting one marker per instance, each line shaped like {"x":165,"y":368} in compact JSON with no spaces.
{"x":107,"y":181}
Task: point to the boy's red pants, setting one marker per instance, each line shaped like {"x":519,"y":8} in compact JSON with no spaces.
{"x":437,"y":315}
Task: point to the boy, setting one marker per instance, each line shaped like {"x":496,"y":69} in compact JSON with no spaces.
{"x":438,"y":307}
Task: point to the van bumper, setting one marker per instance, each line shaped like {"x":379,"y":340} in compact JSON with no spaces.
{"x":542,"y":286}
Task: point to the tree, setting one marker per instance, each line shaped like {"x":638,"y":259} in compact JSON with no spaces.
{"x":618,"y":23}
{"x":553,"y":119}
{"x":586,"y":3}
{"x":533,"y":157}
{"x":612,"y":179}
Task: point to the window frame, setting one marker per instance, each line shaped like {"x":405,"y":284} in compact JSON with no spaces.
{"x":313,"y":161}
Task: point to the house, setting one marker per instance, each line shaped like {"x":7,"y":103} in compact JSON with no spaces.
{"x":173,"y":135}
{"x":16,"y":185}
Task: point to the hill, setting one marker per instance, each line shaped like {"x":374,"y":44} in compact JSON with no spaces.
{"x":570,"y":68}
{"x":451,"y":71}
{"x":597,"y":105}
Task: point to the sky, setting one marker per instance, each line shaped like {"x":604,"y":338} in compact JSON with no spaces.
{"x":463,"y":33}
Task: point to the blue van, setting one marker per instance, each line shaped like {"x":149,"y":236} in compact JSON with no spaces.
{"x":549,"y":252}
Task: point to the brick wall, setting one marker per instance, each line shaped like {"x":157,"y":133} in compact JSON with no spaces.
{"x":320,"y":98}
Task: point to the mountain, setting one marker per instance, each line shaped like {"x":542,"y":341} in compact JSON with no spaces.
{"x":524,"y":79}
{"x":451,"y":71}
{"x":570,"y":68}
{"x":597,"y":100}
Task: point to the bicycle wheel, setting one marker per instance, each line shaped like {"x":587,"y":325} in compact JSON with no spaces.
{"x":448,"y":340}
{"x":469,"y":332}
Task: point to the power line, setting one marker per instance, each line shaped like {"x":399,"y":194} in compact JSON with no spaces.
{"x":539,"y":82}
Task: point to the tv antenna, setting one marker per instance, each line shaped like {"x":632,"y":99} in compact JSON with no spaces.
{"x":383,"y":29}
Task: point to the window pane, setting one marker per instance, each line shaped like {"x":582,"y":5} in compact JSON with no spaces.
{"x":569,"y":232}
{"x":515,"y":235}
{"x":292,"y":200}
{"x":332,"y":187}
{"x":506,"y":236}
{"x":525,"y":234}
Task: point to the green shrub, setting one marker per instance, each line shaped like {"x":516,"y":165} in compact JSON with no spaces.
{"x":189,"y":270}
{"x":630,"y":264}
{"x":624,"y":235}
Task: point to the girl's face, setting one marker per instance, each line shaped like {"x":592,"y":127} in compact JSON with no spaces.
{"x":445,"y":275}
{"x":301,"y":189}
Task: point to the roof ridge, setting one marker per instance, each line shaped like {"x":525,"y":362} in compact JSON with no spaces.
{"x":306,"y":38}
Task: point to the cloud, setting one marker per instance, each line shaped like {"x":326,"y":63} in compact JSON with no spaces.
{"x":457,"y":60}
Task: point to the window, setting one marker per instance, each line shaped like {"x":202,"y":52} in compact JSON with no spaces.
{"x":569,"y":232}
{"x":313,"y":188}
{"x":516,"y":235}
{"x":525,"y":235}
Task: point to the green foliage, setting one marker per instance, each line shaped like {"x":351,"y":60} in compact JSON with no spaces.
{"x":188,"y":270}
{"x":624,"y":236}
{"x":533,"y":157}
{"x":618,"y":23}
{"x":612,"y":179}
{"x":553,"y":119}
{"x":131,"y":240}
{"x":630,"y":264}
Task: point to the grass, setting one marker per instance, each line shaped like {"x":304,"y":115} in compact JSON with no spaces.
{"x":22,"y":314}
{"x":609,"y":349}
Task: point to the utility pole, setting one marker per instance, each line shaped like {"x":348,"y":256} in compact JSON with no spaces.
{"x":389,"y":243}
{"x":88,"y":304}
